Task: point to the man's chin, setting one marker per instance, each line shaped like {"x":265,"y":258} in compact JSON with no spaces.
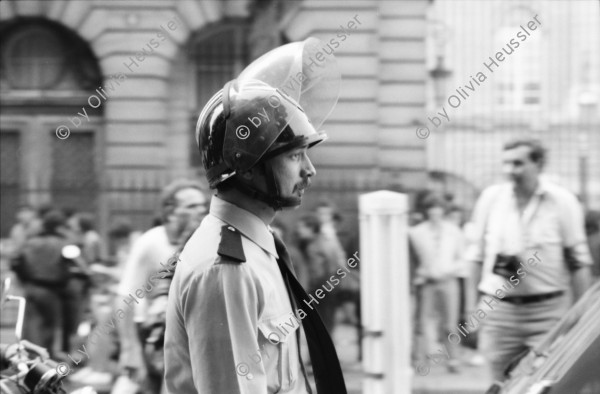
{"x":297,"y":196}
{"x":290,"y":208}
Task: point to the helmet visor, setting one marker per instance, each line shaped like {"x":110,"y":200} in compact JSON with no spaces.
{"x":306,"y":71}
{"x":296,"y":85}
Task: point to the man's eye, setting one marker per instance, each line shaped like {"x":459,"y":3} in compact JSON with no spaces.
{"x":296,"y":156}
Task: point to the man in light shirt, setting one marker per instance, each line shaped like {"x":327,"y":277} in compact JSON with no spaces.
{"x":529,"y":251}
{"x":183,"y":206}
{"x":438,"y":248}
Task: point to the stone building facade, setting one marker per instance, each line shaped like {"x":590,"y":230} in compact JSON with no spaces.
{"x":128,"y":79}
{"x":546,"y":86}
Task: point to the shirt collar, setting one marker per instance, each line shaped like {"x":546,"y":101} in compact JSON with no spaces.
{"x":541,"y":189}
{"x":247,"y":223}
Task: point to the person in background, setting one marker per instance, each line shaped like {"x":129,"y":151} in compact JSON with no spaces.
{"x":27,"y":225}
{"x":102,"y":367}
{"x":93,"y":248}
{"x":81,"y":233}
{"x":592,"y":230}
{"x":326,"y":215}
{"x":44,"y":275}
{"x":184,"y":204}
{"x":455,"y":215}
{"x":415,"y":218}
{"x":320,"y":261}
{"x":438,"y":247}
{"x":530,"y":250}
{"x":346,"y":295}
{"x":121,"y":237}
{"x":290,"y":237}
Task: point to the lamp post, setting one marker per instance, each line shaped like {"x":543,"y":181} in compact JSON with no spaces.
{"x":439,"y":34}
{"x":440,"y":76}
{"x":587,"y":104}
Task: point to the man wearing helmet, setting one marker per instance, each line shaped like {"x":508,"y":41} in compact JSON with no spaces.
{"x":235,"y":306}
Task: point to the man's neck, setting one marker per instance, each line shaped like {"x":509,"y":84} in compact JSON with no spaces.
{"x":174,"y":232}
{"x":435,"y":223}
{"x":258,"y":208}
{"x":526,"y":190}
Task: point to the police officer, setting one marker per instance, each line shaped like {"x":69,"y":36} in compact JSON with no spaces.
{"x":235,"y":307}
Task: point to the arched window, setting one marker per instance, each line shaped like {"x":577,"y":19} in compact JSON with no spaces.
{"x":47,"y":73}
{"x":41,"y":55}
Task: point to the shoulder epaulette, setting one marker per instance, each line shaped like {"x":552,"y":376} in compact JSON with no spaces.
{"x":230,"y":246}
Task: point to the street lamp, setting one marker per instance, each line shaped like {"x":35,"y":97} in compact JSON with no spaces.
{"x":439,"y":75}
{"x":587,"y":104}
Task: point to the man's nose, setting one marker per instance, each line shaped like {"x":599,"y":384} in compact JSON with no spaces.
{"x":309,"y":169}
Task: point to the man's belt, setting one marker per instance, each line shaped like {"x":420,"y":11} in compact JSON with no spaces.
{"x":530,"y":299}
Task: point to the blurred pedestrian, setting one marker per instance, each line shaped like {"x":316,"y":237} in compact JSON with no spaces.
{"x":44,"y":274}
{"x":107,"y":273}
{"x":530,"y":250}
{"x":320,"y":260}
{"x":438,"y":247}
{"x":183,"y":206}
{"x":327,"y":216}
{"x":592,"y":230}
{"x":290,"y":237}
{"x":346,"y":297}
{"x":27,"y":225}
{"x":121,"y":236}
{"x":82,"y":233}
{"x":455,"y":215}
{"x":92,"y":246}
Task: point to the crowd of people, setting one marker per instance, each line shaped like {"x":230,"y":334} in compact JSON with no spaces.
{"x":460,"y":266}
{"x":68,"y":298}
{"x":454,"y":263}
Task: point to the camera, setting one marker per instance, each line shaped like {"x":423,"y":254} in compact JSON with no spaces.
{"x":506,"y":265}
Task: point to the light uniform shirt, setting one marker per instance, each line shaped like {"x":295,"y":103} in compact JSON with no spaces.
{"x":553,"y":219}
{"x":141,"y":269}
{"x":230,"y":325}
{"x":439,"y":251}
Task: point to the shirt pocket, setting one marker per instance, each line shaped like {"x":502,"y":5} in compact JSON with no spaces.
{"x":280,"y":332}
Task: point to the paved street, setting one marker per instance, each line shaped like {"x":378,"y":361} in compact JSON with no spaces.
{"x":469,"y":380}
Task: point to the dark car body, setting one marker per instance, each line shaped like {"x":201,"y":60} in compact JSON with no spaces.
{"x":567,"y":361}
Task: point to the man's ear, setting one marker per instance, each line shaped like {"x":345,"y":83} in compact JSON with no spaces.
{"x":252,"y":174}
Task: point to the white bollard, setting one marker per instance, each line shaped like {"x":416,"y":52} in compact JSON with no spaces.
{"x":385,"y":293}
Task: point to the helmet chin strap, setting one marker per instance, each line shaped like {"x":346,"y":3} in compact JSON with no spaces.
{"x":273,"y":197}
{"x":273,"y":188}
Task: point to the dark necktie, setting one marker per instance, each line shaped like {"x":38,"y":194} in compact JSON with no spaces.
{"x":326,"y":366}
